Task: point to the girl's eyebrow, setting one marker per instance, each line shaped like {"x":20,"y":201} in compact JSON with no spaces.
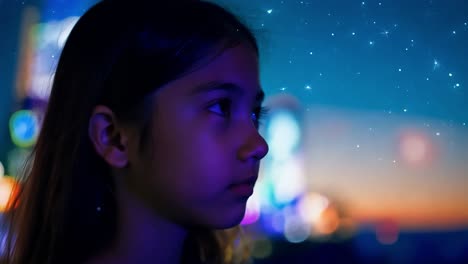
{"x":228,"y":87}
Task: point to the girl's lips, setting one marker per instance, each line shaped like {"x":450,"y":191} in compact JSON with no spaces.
{"x":243,"y":189}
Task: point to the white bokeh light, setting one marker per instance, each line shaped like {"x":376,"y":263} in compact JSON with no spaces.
{"x":252,"y":212}
{"x":295,"y":230}
{"x":288,"y":181}
{"x":284,"y":135}
{"x":2,"y":170}
{"x":312,"y":206}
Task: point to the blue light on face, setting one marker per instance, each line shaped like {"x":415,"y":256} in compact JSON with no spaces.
{"x":24,"y":128}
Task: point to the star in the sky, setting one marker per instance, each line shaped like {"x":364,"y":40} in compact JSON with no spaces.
{"x":436,"y":64}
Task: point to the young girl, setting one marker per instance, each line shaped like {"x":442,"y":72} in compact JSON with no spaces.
{"x":149,"y":148}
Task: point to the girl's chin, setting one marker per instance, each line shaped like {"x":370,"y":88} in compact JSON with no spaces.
{"x":230,"y":219}
{"x":224,"y":218}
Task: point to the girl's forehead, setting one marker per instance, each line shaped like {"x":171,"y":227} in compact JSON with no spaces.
{"x":234,"y":70}
{"x":229,"y":87}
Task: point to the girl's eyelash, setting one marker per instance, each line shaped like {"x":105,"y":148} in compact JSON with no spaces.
{"x":223,"y":107}
{"x":260,"y":112}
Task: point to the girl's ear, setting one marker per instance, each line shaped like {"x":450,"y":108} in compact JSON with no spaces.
{"x":108,"y":139}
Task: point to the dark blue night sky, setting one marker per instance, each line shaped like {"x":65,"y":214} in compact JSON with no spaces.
{"x":377,"y":55}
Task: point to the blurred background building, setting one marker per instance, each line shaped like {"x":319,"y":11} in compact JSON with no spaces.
{"x":368,"y":130}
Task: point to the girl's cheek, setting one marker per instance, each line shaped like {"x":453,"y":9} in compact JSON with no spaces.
{"x":217,"y":124}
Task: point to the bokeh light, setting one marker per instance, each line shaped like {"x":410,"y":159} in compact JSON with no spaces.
{"x":2,"y":169}
{"x":387,"y":232}
{"x":288,"y":180}
{"x":252,"y":212}
{"x":24,"y":128}
{"x":416,"y":148}
{"x":7,"y":185}
{"x":296,"y":230}
{"x":277,"y":222}
{"x":284,"y":135}
{"x":311,"y":207}
{"x":329,"y":221}
{"x":17,"y":158}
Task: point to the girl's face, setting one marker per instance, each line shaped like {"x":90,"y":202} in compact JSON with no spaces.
{"x":202,"y":159}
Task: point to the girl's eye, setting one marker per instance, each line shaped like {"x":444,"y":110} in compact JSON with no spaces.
{"x":259,"y":114}
{"x":222,"y":107}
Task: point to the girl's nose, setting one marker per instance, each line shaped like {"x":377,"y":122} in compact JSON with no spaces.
{"x":255,"y":147}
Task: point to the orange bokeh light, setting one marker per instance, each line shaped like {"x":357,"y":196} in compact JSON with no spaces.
{"x":329,"y":221}
{"x":8,"y":189}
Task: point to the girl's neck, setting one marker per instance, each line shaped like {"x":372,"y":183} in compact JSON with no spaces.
{"x":143,"y":237}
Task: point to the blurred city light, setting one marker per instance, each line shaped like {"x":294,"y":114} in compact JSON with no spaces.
{"x":416,"y":148}
{"x":252,"y":212}
{"x":295,"y":229}
{"x":311,"y":206}
{"x":387,"y":232}
{"x":24,"y":128}
{"x":7,"y":185}
{"x":283,"y":134}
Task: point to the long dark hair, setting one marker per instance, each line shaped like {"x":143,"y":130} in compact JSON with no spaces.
{"x":116,"y":55}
